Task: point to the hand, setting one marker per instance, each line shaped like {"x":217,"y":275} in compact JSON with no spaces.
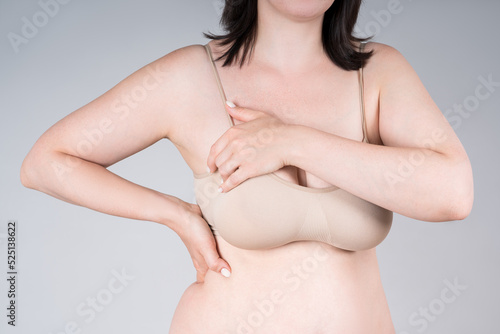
{"x":256,"y":147}
{"x":200,"y":242}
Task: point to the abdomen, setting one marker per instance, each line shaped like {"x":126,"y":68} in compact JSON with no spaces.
{"x":306,"y":287}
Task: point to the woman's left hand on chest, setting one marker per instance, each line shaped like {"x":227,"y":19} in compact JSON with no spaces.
{"x":258,"y":146}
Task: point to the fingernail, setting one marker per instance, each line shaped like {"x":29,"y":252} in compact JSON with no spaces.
{"x":225,"y":272}
{"x":208,"y":169}
{"x":231,"y":104}
{"x":219,"y":189}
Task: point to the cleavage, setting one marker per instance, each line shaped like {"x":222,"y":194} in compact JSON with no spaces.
{"x":295,"y":175}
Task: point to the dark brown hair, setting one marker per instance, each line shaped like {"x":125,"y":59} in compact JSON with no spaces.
{"x":239,"y":20}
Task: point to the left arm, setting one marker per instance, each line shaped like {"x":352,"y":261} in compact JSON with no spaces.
{"x":431,"y":184}
{"x":422,"y":172}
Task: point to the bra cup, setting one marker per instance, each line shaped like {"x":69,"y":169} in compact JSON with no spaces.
{"x":250,"y":217}
{"x":262,"y":213}
{"x":343,"y":220}
{"x":356,"y":224}
{"x":205,"y":191}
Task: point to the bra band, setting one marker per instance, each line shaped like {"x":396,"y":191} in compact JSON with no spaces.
{"x":360,"y":80}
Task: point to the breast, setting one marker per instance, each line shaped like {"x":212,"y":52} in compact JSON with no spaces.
{"x":263,"y":213}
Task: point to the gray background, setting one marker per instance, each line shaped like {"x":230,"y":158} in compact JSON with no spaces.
{"x":67,"y":254}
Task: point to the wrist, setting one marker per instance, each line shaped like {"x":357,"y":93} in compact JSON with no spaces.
{"x":187,"y":213}
{"x":174,"y":213}
{"x":296,"y":144}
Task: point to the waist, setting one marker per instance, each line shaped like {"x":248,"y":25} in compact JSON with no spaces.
{"x":302,"y":284}
{"x":300,"y":258}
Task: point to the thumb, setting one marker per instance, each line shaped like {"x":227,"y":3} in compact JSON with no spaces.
{"x":216,"y":263}
{"x":242,"y":114}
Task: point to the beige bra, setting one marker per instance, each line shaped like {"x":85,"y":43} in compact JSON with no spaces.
{"x":267,"y":211}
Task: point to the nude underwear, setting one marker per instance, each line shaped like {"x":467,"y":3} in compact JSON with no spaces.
{"x":267,"y":211}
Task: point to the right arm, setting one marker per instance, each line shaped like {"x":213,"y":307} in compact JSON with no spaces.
{"x":69,"y":161}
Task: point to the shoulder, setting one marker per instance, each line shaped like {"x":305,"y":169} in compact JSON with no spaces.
{"x":179,"y":73}
{"x":182,"y":63}
{"x":383,"y":53}
{"x":173,"y":77}
{"x":187,"y":54}
{"x":385,"y":62}
{"x":387,"y":69}
{"x":172,"y":86}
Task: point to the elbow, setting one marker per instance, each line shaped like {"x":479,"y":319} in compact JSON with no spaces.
{"x":460,"y":199}
{"x":30,"y":168}
{"x":451,"y":208}
{"x":461,"y":208}
{"x":27,"y":172}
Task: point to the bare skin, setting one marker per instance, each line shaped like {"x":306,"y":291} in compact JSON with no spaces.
{"x":302,"y":287}
{"x":311,"y":289}
{"x":345,"y":286}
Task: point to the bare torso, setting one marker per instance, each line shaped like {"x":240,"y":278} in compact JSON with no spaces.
{"x":301,"y":287}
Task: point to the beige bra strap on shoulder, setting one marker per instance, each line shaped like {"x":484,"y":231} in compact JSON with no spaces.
{"x":219,"y":84}
{"x":362,"y":97}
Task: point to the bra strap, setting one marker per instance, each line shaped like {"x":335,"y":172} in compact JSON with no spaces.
{"x":219,"y":84}
{"x":362,"y":97}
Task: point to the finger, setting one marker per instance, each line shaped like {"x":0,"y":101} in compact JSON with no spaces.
{"x":225,"y":163}
{"x":216,"y":263}
{"x":243,"y":114}
{"x":234,"y":180}
{"x":201,"y":268}
{"x":228,"y":167}
{"x":222,"y":157}
{"x":215,"y":150}
{"x":200,"y":277}
{"x":244,"y":160}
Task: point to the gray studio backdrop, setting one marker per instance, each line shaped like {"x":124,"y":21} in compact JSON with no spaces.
{"x":67,"y":255}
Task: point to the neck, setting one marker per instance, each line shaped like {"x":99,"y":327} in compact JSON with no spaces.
{"x":287,"y":43}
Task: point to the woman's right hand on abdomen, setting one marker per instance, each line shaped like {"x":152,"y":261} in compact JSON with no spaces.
{"x":201,"y":244}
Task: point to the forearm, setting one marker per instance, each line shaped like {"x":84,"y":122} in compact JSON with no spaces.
{"x":91,"y":185}
{"x":415,"y":182}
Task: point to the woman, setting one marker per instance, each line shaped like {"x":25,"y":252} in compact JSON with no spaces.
{"x":308,"y":183}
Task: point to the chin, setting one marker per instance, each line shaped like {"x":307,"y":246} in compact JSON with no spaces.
{"x":301,"y":9}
